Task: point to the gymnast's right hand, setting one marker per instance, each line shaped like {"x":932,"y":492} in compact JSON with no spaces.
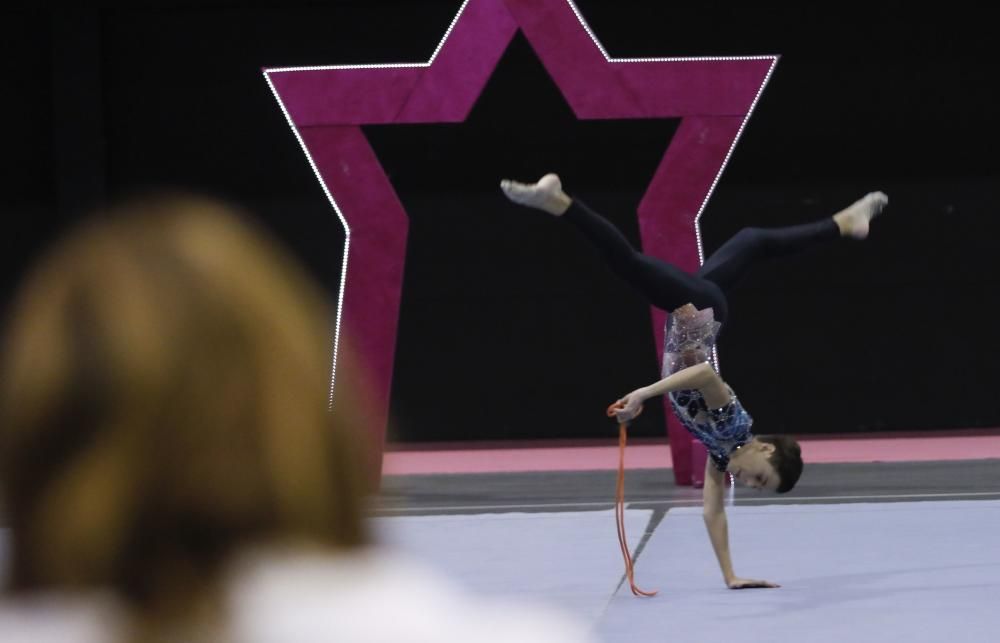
{"x":630,"y":407}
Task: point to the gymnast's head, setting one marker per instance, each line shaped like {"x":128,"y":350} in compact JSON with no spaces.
{"x":771,"y":462}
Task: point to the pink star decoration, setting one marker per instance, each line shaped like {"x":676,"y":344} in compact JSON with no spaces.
{"x":327,"y":105}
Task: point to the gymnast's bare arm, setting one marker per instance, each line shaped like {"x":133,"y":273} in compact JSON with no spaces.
{"x":701,"y":377}
{"x":718,"y":528}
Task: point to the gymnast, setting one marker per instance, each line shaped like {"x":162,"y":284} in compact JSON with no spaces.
{"x":707,"y":407}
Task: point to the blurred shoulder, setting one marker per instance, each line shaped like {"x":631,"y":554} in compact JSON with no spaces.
{"x":58,"y":618}
{"x":376,"y":595}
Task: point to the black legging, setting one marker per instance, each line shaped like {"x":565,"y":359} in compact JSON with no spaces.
{"x":668,"y":287}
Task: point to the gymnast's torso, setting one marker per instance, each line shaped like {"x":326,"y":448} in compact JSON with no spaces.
{"x":689,"y":339}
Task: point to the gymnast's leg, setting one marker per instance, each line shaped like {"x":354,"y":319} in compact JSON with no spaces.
{"x":663,"y":285}
{"x":731,"y":261}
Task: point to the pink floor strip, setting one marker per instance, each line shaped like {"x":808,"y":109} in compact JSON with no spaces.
{"x":964,"y":445}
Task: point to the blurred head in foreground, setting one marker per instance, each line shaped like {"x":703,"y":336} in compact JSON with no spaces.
{"x":163,"y":404}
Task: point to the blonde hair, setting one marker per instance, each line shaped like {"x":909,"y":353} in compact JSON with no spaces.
{"x":163,"y":404}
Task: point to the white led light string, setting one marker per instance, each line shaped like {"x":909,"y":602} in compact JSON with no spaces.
{"x":347,"y":236}
{"x":319,"y":177}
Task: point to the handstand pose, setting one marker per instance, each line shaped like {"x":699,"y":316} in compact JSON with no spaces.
{"x":697,"y":303}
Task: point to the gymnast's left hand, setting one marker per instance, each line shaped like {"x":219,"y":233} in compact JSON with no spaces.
{"x":749,"y":583}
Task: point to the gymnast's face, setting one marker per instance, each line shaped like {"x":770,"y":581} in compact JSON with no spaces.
{"x":751,"y":465}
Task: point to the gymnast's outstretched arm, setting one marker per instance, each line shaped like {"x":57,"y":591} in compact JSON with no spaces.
{"x":701,"y":377}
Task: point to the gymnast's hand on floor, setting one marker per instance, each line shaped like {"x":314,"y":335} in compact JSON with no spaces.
{"x":749,"y":583}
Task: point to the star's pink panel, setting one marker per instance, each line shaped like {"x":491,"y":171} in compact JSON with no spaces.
{"x":695,"y":87}
{"x":345,"y":96}
{"x":378,"y":225}
{"x":590,"y":85}
{"x":448,"y":89}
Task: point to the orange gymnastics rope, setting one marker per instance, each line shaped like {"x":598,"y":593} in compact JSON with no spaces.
{"x":620,"y":501}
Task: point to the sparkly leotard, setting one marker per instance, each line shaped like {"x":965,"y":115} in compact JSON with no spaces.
{"x":689,"y":339}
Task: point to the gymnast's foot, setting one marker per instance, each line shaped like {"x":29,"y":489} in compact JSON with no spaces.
{"x":545,"y":195}
{"x":854,"y":220}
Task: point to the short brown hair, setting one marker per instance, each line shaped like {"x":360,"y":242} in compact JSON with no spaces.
{"x":786,"y":460}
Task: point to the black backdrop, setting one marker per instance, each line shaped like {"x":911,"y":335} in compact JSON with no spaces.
{"x":510,"y":327}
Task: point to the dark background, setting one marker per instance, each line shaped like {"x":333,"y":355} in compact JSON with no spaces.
{"x":510,"y":326}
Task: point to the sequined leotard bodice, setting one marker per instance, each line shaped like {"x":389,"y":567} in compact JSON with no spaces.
{"x":689,"y":339}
